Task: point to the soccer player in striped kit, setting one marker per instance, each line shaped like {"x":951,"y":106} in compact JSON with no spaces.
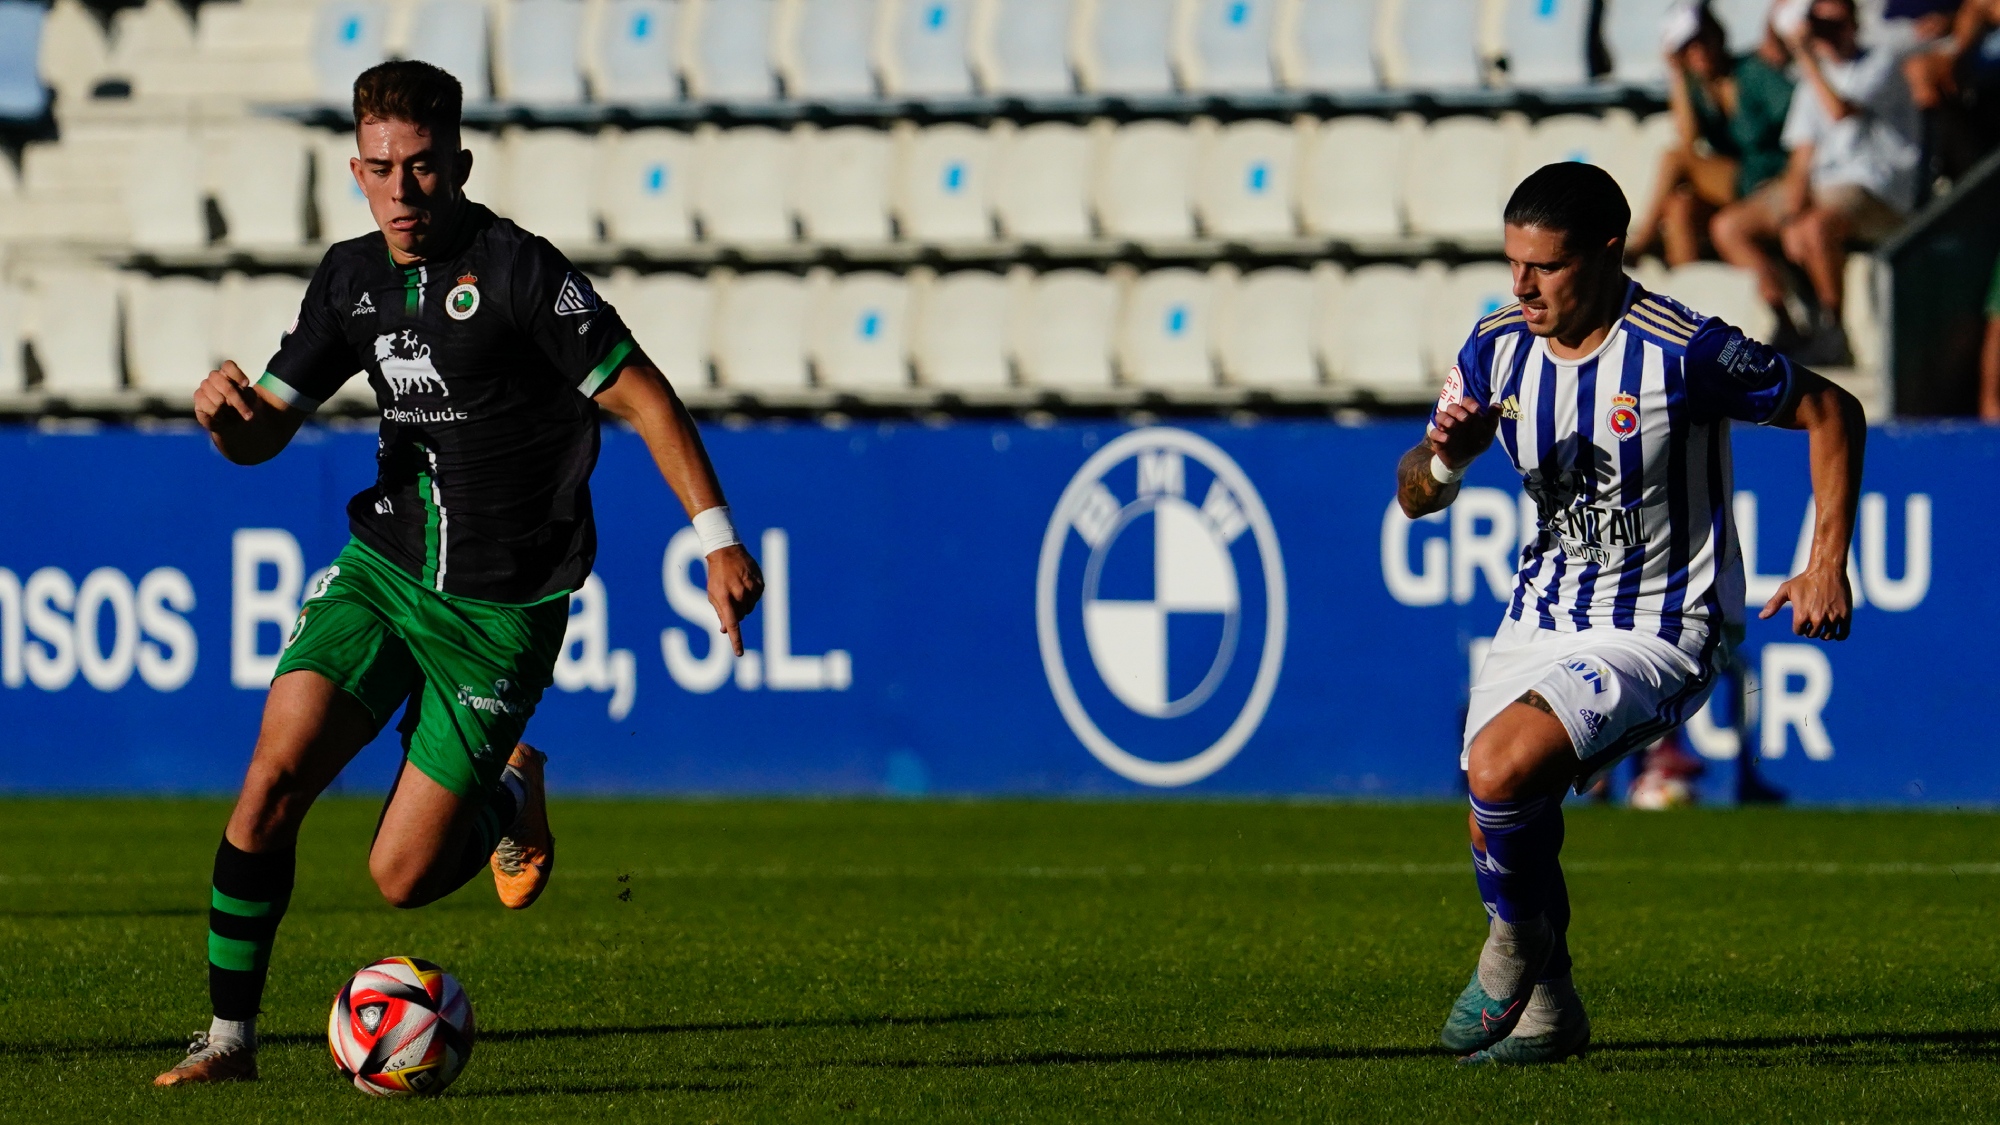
{"x":1614,"y":405}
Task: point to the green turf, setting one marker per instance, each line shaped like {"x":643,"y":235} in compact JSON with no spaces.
{"x":1034,"y":961}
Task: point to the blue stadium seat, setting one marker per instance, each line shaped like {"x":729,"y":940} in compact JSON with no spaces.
{"x":1328,"y":45}
{"x":635,"y":46}
{"x":1546,"y":42}
{"x":1126,"y":47}
{"x":538,"y":53}
{"x":731,"y":60}
{"x":452,"y":34}
{"x":1439,"y":44}
{"x":21,"y":92}
{"x":826,"y":48}
{"x":348,"y":37}
{"x":1025,"y":51}
{"x":1631,"y":31}
{"x":928,"y":49}
{"x":1229,"y":50}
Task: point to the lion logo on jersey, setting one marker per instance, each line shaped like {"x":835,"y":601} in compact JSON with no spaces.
{"x":406,"y":364}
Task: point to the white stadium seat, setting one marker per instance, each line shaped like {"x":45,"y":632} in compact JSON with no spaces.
{"x":1436,"y":45}
{"x":13,"y":335}
{"x":489,"y":179}
{"x":728,"y":58}
{"x":348,"y":37}
{"x":759,"y":340}
{"x":72,"y":191}
{"x":858,"y":336}
{"x":1041,"y":183}
{"x":1062,"y":330}
{"x":74,"y":55}
{"x":670,"y":315}
{"x":741,"y":186}
{"x":1719,"y":289}
{"x":1455,"y":186}
{"x":1631,"y":32}
{"x":1124,"y":46}
{"x":1605,"y":142}
{"x":1460,"y":298}
{"x":1378,"y":344}
{"x":1246,"y":176}
{"x":646,"y":186}
{"x":544,"y":191}
{"x":343,"y":210}
{"x":1744,"y":20}
{"x":252,"y":314}
{"x":452,"y":34}
{"x":540,"y":42}
{"x":1327,"y":45}
{"x":1166,"y":330}
{"x":152,"y":46}
{"x":74,"y":319}
{"x":1546,"y":42}
{"x":958,"y":330}
{"x":842,"y":188}
{"x":825,"y":48}
{"x":1021,"y":47}
{"x":943,"y":189}
{"x":257,"y":174}
{"x":169,"y":330}
{"x":1351,"y":179}
{"x":632,"y":51}
{"x":1263,"y":330}
{"x":258,"y":51}
{"x":1224,"y":46}
{"x":1141,"y":186}
{"x":164,"y":190}
{"x":928,"y":48}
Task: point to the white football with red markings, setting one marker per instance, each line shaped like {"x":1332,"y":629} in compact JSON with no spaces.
{"x":401,"y":1026}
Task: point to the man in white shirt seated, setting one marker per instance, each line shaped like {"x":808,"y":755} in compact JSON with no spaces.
{"x":1854,"y":137}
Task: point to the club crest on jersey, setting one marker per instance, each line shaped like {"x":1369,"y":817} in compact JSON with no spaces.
{"x":1624,"y":416}
{"x":577,"y":297}
{"x":463,"y":300}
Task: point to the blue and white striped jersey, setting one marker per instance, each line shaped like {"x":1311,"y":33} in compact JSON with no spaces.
{"x":1625,"y":454}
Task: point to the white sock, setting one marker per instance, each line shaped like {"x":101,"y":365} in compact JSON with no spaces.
{"x":518,"y":786}
{"x":1512,"y":953}
{"x":1552,"y":1003}
{"x":232,"y":1033}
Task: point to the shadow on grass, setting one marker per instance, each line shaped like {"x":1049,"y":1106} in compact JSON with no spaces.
{"x":586,"y":1088}
{"x":1969,"y":1038}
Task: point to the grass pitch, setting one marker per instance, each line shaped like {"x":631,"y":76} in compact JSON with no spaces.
{"x":779,"y":961}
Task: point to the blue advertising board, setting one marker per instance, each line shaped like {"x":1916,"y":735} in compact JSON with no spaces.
{"x":980,"y":608}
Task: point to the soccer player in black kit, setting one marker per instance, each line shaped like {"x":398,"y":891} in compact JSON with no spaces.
{"x":490,"y":357}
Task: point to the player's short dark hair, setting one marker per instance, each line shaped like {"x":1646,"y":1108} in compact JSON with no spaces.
{"x":1580,"y":200}
{"x":412,"y":91}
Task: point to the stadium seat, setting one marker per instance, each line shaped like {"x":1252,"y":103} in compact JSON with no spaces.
{"x":1719,"y":289}
{"x":1631,"y":33}
{"x":1142,"y":180}
{"x":13,"y":339}
{"x":1062,"y":330}
{"x":152,"y":47}
{"x":1245,"y":180}
{"x":544,"y":191}
{"x":1166,"y":330}
{"x":670,"y":314}
{"x":21,"y":92}
{"x":1743,"y":20}
{"x":858,"y":336}
{"x":257,"y":51}
{"x":342,"y":209}
{"x":1125,"y":46}
{"x":1327,"y":45}
{"x":539,"y":48}
{"x":958,"y":330}
{"x":164,"y":198}
{"x":490,"y":179}
{"x":1546,"y":42}
{"x":1021,"y":47}
{"x":943,"y":194}
{"x":633,"y":50}
{"x":1351,"y":178}
{"x":729,"y":54}
{"x":842,"y":188}
{"x":825,"y":49}
{"x":169,"y":331}
{"x":1263,"y":330}
{"x":1224,"y":46}
{"x":257,"y":174}
{"x":1041,"y":183}
{"x":348,"y":37}
{"x":1435,"y":45}
{"x":928,"y":49}
{"x":74,"y":319}
{"x":72,"y":190}
{"x":452,"y":34}
{"x":252,"y":314}
{"x":74,"y":53}
{"x":1456,"y":187}
{"x":1607,"y":142}
{"x":760,"y":332}
{"x":1378,"y":344}
{"x":1464,"y":295}
{"x":646,"y":185}
{"x":741,"y":184}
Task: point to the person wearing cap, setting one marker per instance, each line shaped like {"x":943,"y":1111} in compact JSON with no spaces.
{"x":1729,"y":113}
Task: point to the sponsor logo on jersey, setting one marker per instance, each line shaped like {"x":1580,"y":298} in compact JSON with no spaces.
{"x":503,"y":701}
{"x":577,"y":297}
{"x":364,"y":307}
{"x":463,"y":300}
{"x":1510,"y":408}
{"x":1160,"y":607}
{"x":1624,"y":416}
{"x":1589,"y":673}
{"x":406,"y":365}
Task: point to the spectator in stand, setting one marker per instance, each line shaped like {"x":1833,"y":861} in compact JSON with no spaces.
{"x":1989,"y":355}
{"x":1730,"y":113}
{"x":1854,"y":137}
{"x":1954,"y":76}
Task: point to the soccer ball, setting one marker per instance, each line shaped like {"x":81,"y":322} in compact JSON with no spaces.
{"x":401,"y":1026}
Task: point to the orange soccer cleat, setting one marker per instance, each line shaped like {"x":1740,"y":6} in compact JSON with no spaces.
{"x":524,"y":858}
{"x":234,"y":1062}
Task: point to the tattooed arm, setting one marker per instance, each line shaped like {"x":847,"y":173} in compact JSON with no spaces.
{"x":1459,"y":432}
{"x":1417,"y":490}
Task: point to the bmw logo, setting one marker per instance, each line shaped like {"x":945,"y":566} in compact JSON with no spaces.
{"x":1160,"y":607}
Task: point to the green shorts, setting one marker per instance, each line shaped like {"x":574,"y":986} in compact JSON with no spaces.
{"x":472,"y":671}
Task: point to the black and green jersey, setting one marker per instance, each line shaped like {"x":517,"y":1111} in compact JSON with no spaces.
{"x":484,"y":360}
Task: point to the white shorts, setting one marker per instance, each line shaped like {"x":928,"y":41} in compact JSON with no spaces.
{"x":1613,"y":690}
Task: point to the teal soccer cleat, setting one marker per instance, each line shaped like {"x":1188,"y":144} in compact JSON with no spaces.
{"x":1478,"y":1021}
{"x":1554,"y":1027}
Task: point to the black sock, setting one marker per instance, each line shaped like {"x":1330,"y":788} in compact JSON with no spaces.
{"x":248,"y":899}
{"x":495,"y":817}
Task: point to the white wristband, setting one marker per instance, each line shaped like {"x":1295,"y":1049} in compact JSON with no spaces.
{"x":715,"y":529}
{"x":1443,"y":473}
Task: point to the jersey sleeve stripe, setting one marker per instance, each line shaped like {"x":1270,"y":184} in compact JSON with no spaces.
{"x":286,"y":393}
{"x":1672,"y":335}
{"x":603,"y":372}
{"x":1667,"y":314}
{"x":1499,"y":313}
{"x":1488,"y":327}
